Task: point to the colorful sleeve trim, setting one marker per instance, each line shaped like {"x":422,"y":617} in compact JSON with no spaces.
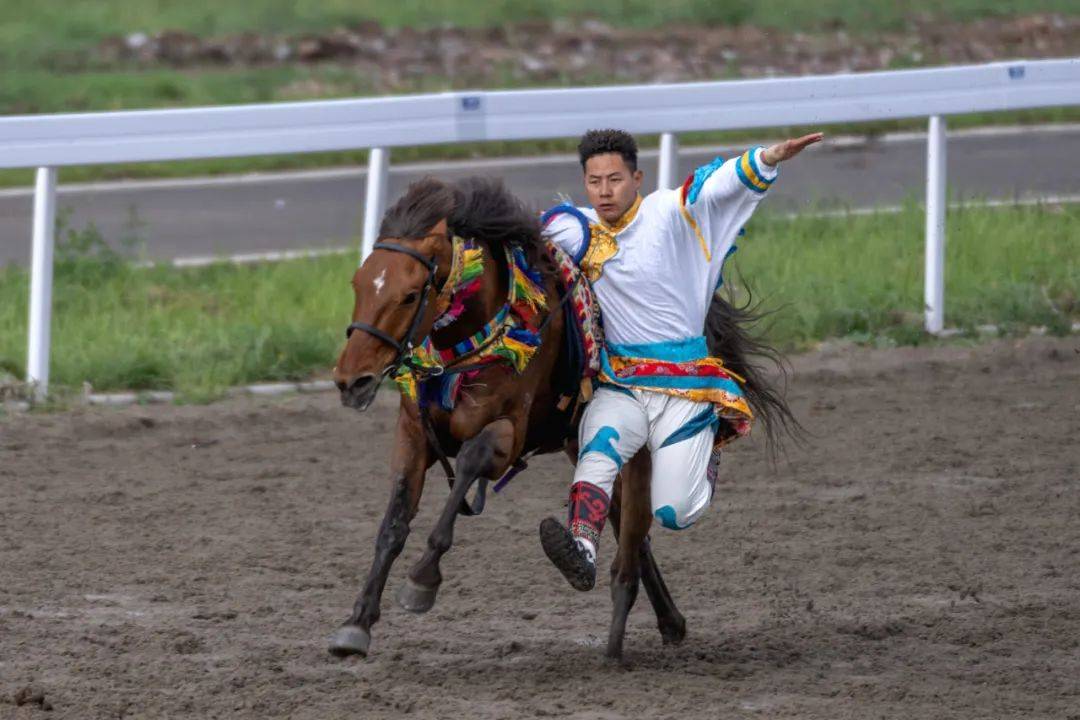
{"x":586,"y":232}
{"x":750,"y":174}
{"x":693,"y":184}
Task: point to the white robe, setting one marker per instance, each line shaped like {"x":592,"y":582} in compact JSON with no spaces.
{"x":658,"y":285}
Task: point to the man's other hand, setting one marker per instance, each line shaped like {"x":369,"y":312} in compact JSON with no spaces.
{"x":789,"y":148}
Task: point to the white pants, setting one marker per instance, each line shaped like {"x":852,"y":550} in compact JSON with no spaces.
{"x":680,"y":435}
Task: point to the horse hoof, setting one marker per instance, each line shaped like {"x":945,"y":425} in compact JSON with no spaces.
{"x":350,"y":640}
{"x":673,"y":633}
{"x":415,"y":597}
{"x":614,"y":656}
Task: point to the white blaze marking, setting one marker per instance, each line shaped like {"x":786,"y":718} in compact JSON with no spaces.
{"x":380,"y":281}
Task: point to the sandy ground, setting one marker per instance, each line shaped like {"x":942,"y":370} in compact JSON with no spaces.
{"x":920,"y":558}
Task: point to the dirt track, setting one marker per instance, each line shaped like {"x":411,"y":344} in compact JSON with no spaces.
{"x":920,"y":559}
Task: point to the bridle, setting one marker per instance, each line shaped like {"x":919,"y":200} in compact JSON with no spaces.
{"x":405,"y":346}
{"x":404,"y":350}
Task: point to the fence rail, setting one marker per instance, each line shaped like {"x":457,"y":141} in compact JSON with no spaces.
{"x":47,"y":142}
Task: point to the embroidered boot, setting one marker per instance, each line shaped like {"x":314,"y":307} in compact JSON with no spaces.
{"x":573,"y":550}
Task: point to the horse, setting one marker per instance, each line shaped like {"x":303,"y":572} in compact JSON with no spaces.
{"x":406,"y":300}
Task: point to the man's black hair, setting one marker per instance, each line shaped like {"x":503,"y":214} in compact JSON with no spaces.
{"x":599,"y":142}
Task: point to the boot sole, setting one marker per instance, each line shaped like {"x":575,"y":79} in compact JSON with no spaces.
{"x":559,"y":546}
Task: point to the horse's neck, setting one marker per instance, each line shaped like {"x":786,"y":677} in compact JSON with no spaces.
{"x":481,"y":307}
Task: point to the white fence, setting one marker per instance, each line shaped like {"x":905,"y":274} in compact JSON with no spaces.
{"x":50,"y":141}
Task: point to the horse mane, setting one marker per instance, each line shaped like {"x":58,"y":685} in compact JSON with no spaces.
{"x":424,"y":204}
{"x":486,"y":210}
{"x":475,"y":207}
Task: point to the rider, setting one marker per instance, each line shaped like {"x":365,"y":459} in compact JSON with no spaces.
{"x":654,"y":263}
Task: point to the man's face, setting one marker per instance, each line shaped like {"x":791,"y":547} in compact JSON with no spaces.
{"x":610,"y":185}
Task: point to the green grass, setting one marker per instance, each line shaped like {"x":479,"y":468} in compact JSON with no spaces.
{"x":861,"y":277}
{"x":32,"y":29}
{"x":117,"y":325}
{"x":201,"y":330}
{"x":41,"y":91}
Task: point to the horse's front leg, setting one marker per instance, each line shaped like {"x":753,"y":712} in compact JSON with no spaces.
{"x":487,"y":455}
{"x":410,"y":462}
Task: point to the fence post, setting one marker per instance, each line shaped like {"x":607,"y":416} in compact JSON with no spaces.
{"x":934,"y":290}
{"x":375,"y":200}
{"x":41,"y":282}
{"x":667,"y":173}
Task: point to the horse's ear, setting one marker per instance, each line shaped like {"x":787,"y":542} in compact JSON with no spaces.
{"x":435,"y":236}
{"x":440,"y":228}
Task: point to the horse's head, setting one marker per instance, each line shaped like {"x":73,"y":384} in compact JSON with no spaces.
{"x":395,"y":291}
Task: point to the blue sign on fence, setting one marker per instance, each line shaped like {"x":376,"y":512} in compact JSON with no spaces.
{"x":1016,"y":72}
{"x":470,"y":102}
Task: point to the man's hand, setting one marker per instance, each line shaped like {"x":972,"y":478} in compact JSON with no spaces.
{"x":789,"y":148}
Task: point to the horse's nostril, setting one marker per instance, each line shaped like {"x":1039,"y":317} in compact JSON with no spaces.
{"x":357,"y":391}
{"x":361,"y":383}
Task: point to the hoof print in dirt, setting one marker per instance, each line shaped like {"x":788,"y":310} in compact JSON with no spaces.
{"x":32,"y":696}
{"x":872,"y":631}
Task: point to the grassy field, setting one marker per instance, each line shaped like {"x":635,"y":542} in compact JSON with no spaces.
{"x":33,"y":29}
{"x":44,"y":66}
{"x":860,"y":278}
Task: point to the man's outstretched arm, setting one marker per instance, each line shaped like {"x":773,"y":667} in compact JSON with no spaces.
{"x":719,"y":198}
{"x":744,"y":178}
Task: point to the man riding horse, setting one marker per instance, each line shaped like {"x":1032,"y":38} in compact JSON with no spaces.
{"x":655,"y":264}
{"x":485,"y":327}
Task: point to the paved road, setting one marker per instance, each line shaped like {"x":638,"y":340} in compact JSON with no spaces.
{"x":324,"y":209}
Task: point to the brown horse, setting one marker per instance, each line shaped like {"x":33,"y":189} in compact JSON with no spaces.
{"x":499,"y":416}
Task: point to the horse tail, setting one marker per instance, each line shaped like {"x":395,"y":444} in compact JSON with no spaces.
{"x":728,"y":334}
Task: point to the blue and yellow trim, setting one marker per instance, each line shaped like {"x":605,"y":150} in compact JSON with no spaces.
{"x":672,"y":384}
{"x":746,"y":168}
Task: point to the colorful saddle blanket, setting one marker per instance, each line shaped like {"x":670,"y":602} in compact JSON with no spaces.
{"x":516,"y":331}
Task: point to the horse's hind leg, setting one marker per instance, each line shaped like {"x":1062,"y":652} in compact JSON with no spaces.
{"x":635,"y":517}
{"x":354,"y":637}
{"x":669,"y":620}
{"x":485,"y":456}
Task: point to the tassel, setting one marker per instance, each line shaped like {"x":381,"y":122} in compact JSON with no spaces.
{"x":406,"y":383}
{"x":457,"y":304}
{"x":528,"y":285}
{"x":519,"y":346}
{"x":472,"y":265}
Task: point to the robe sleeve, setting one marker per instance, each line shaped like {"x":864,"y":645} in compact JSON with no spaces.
{"x":722,"y":195}
{"x":567,"y":227}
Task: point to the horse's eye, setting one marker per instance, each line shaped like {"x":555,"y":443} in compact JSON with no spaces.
{"x":410,"y":298}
